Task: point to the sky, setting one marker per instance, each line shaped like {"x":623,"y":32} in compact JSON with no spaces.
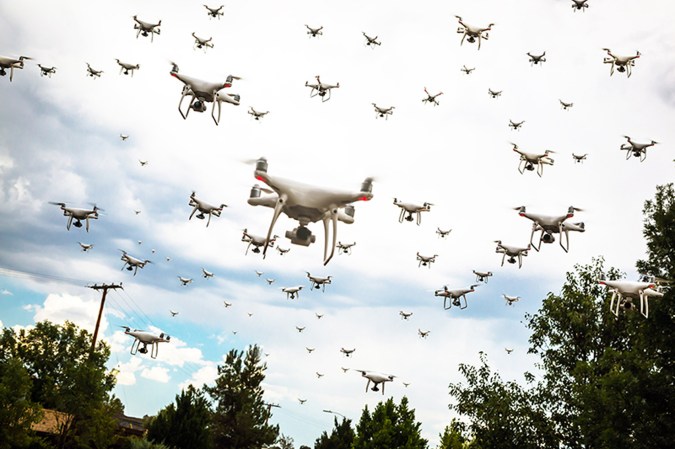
{"x":60,"y":142}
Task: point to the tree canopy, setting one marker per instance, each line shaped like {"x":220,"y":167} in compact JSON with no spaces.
{"x":390,"y":426}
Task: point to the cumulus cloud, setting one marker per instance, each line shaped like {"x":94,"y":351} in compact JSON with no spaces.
{"x":156,"y":373}
{"x":59,"y":308}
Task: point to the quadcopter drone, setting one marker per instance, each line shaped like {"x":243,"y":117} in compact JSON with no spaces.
{"x":227,"y":304}
{"x":455,"y":296}
{"x":127,"y":68}
{"x":467,"y":70}
{"x":536,"y":59}
{"x":202,"y":92}
{"x":636,"y":149}
{"x":345,"y":248}
{"x":314,"y":32}
{"x":624,"y":292}
{"x":529,"y":160}
{"x":323,"y":90}
{"x":146,"y":29}
{"x":383,"y":112}
{"x":443,"y":234}
{"x":85,"y":246}
{"x":202,"y":43}
{"x":258,"y":273}
{"x":376,"y":379}
{"x":405,"y":315}
{"x":318,"y":315}
{"x":132,"y":263}
{"x":512,"y":252}
{"x":47,"y":71}
{"x":269,"y":281}
{"x":579,"y":157}
{"x":579,"y":5}
{"x":423,"y":334}
{"x":309,"y":350}
{"x":482,"y":276}
{"x":207,"y":274}
{"x":307,"y":204}
{"x":11,"y":64}
{"x":257,"y":241}
{"x":515,"y":125}
{"x":215,"y":13}
{"x":426,"y":260}
{"x":371,"y":41}
{"x":471,"y":33}
{"x":347,"y":352}
{"x":302,"y":401}
{"x":173,"y":314}
{"x":319,"y":375}
{"x":291,"y":293}
{"x":257,"y":115}
{"x":564,"y":105}
{"x":204,"y":208}
{"x":410,"y":209}
{"x":318,"y":282}
{"x":93,"y":73}
{"x":494,"y":94}
{"x":510,"y":299}
{"x":78,"y":215}
{"x":185,"y":281}
{"x":622,"y":63}
{"x":549,"y":225}
{"x":431,"y":98}
{"x":508,"y":350}
{"x":282,"y":251}
{"x":146,"y":338}
{"x":124,"y":137}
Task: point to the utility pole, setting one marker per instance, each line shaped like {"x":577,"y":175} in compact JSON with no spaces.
{"x":105,"y":288}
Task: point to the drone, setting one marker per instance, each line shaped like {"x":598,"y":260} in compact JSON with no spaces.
{"x":206,"y":274}
{"x":536,"y":59}
{"x":204,"y":208}
{"x":347,"y":352}
{"x":636,"y":149}
{"x":515,"y":125}
{"x":202,"y":92}
{"x":85,"y":246}
{"x":173,"y":314}
{"x":426,"y":260}
{"x":431,"y":98}
{"x":529,"y":160}
{"x":344,"y":370}
{"x":376,"y":379}
{"x":383,"y":112}
{"x":227,"y":304}
{"x":259,"y":273}
{"x":564,"y":105}
{"x":494,"y":94}
{"x":405,"y":315}
{"x":302,"y":401}
{"x":455,"y":296}
{"x":508,"y":350}
{"x":405,"y":384}
{"x":314,"y":32}
{"x":579,"y":157}
{"x":300,"y":329}
{"x":257,"y":241}
{"x":92,"y":72}
{"x":291,"y":293}
{"x":549,"y":225}
{"x":78,"y":215}
{"x":309,"y":350}
{"x":423,"y":334}
{"x":371,"y":41}
{"x":622,"y":63}
{"x":471,"y":33}
{"x":318,"y":315}
{"x":47,"y":71}
{"x":185,"y":281}
{"x":482,"y":276}
{"x":443,"y":234}
{"x":579,"y":5}
{"x":467,"y":70}
{"x":215,"y":12}
{"x":282,"y":251}
{"x":319,"y":282}
{"x":269,"y":281}
{"x":127,"y":68}
{"x":410,"y":209}
{"x":132,"y":263}
{"x":323,"y":90}
{"x":257,"y":115}
{"x":624,"y":292}
{"x":202,"y":43}
{"x":146,"y":29}
{"x":146,"y":338}
{"x":512,"y":252}
{"x":510,"y":299}
{"x":319,"y":375}
{"x":11,"y":64}
{"x":124,"y":137}
{"x":345,"y":248}
{"x":307,"y":204}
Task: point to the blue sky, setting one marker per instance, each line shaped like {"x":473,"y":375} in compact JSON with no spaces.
{"x":59,"y":141}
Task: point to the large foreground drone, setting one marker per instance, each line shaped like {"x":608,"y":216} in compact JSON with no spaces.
{"x":471,"y":33}
{"x":624,"y":292}
{"x":306,"y":204}
{"x":77,"y":214}
{"x":549,"y":225}
{"x":11,"y":64}
{"x":146,"y":338}
{"x":622,"y":63}
{"x":636,"y":149}
{"x":204,"y":208}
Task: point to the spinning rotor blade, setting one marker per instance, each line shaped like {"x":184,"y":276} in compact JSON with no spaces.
{"x":57,"y":204}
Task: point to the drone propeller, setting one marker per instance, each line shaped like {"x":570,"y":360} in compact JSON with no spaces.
{"x":96,"y":208}
{"x":57,"y":204}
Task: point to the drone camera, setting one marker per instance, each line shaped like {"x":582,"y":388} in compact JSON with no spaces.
{"x":301,"y":236}
{"x":548,"y":238}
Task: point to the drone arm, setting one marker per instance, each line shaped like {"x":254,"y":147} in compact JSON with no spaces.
{"x":277,"y":211}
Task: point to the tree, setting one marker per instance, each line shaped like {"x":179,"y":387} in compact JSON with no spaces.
{"x":453,"y":436}
{"x":390,"y":426}
{"x":17,"y":411}
{"x":185,"y":424}
{"x":341,"y":436}
{"x":240,"y":419}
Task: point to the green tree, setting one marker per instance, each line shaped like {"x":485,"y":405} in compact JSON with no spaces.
{"x":185,"y":424}
{"x":390,"y":426}
{"x":17,"y":411}
{"x":453,"y":436}
{"x":341,"y":437}
{"x":240,"y":418}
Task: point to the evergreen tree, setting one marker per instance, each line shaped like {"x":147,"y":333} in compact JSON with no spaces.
{"x":341,"y":437}
{"x":185,"y":424}
{"x":390,"y":426}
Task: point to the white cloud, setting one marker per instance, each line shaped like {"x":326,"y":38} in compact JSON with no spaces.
{"x":126,"y":371}
{"x":157,"y":374}
{"x":204,"y":375}
{"x":6,"y":292}
{"x":59,"y":308}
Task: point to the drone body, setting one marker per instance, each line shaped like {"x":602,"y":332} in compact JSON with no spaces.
{"x":431,"y":98}
{"x":639,"y":150}
{"x":77,"y":214}
{"x":204,"y":209}
{"x":309,"y":350}
{"x":410,"y":209}
{"x":93,"y":73}
{"x":146,"y":28}
{"x":11,"y":64}
{"x":127,"y":68}
{"x":537,"y":59}
{"x":85,"y":246}
{"x":207,"y":274}
{"x":425,"y":260}
{"x":318,"y":282}
{"x":405,"y":315}
{"x":482,"y":276}
{"x":257,"y":242}
{"x":371,"y":41}
{"x":383,"y":112}
{"x":423,"y":334}
{"x":512,"y":252}
{"x":529,"y":160}
{"x":215,"y":13}
{"x":202,"y":43}
{"x":579,"y":5}
{"x":291,"y":293}
{"x":621,"y":63}
{"x":314,"y":32}
{"x":624,"y":292}
{"x":256,"y":114}
{"x":549,"y":225}
{"x":510,"y":299}
{"x":472,"y":33}
{"x":376,"y":379}
{"x":132,"y":263}
{"x":323,"y":90}
{"x":467,"y":70}
{"x":282,"y":251}
{"x":454,"y":297}
{"x":47,"y":71}
{"x":146,"y":338}
{"x":185,"y":281}
{"x":300,"y":329}
{"x":578,"y":158}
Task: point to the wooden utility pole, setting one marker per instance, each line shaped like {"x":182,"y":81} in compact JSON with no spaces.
{"x":105,"y":288}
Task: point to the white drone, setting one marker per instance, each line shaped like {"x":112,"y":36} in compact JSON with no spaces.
{"x":77,"y":214}
{"x":146,"y":338}
{"x":512,"y":252}
{"x":202,"y":43}
{"x":579,"y":5}
{"x":207,"y":274}
{"x":270,"y":281}
{"x":443,"y":233}
{"x":257,"y":242}
{"x":323,"y":90}
{"x":314,"y":32}
{"x":564,"y":105}
{"x":622,"y":63}
{"x":636,"y":149}
{"x":124,"y":137}
{"x":11,"y":64}
{"x":376,"y":379}
{"x":467,"y":70}
{"x":423,"y":334}
{"x":204,"y":208}
{"x":482,"y":276}
{"x":431,"y":98}
{"x":536,"y":59}
{"x":127,"y":68}
{"x":318,"y":374}
{"x":309,"y":350}
{"x":454,"y":296}
{"x":291,"y":293}
{"x":624,"y":292}
{"x":307,"y":204}
{"x":549,"y":225}
{"x":371,"y":41}
{"x":202,"y":92}
{"x":132,"y":263}
{"x":515,"y":125}
{"x":410,"y":209}
{"x":173,"y":313}
{"x":508,"y":350}
{"x":510,"y":299}
{"x":93,"y":72}
{"x":85,"y":246}
{"x":472,"y":33}
{"x":529,"y":160}
{"x":405,"y":315}
{"x":319,"y":282}
{"x":426,"y":260}
{"x":256,"y":114}
{"x":146,"y":29}
{"x":347,"y":352}
{"x":215,"y":13}
{"x":185,"y":281}
{"x":282,"y":251}
{"x":345,"y":248}
{"x":494,"y":94}
{"x":579,"y":157}
{"x":383,"y":112}
{"x":47,"y":71}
